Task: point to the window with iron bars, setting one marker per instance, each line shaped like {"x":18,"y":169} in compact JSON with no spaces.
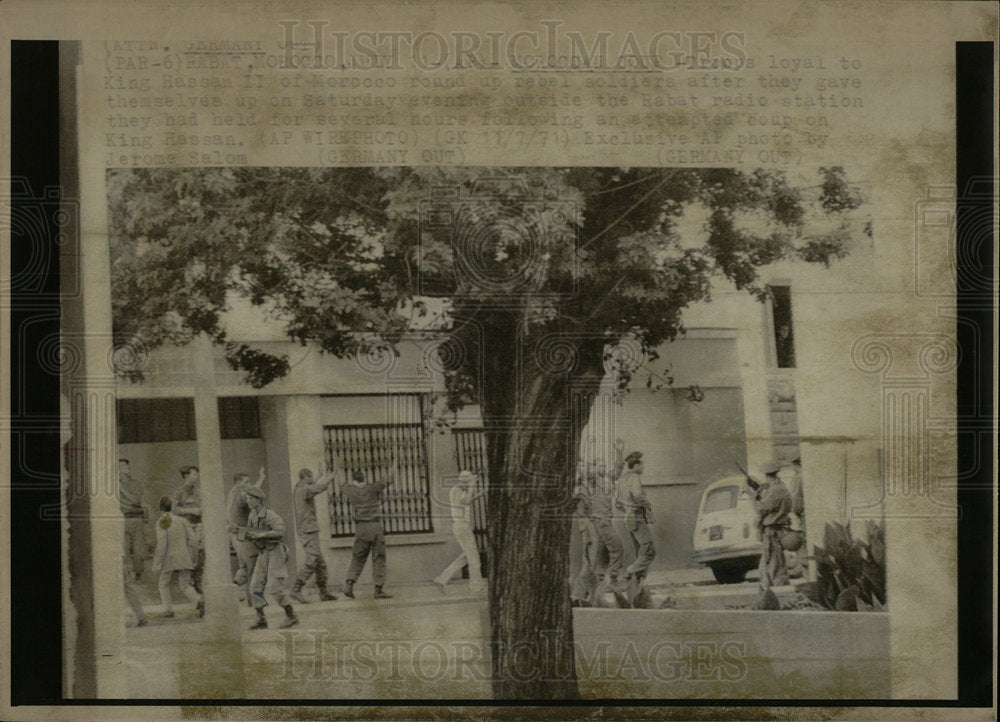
{"x":394,"y":451}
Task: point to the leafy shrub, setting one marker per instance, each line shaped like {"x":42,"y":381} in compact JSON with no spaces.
{"x":851,"y":572}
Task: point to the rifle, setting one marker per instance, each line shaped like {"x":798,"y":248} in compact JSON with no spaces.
{"x":754,"y":486}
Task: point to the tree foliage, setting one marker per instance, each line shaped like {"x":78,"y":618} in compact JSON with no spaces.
{"x":348,"y":256}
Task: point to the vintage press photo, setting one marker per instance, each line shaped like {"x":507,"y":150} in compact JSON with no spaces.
{"x":467,"y":354}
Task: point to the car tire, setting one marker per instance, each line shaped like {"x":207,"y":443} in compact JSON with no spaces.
{"x":729,"y":574}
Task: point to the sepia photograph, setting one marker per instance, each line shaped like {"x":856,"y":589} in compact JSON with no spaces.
{"x":576,"y":383}
{"x":496,"y":360}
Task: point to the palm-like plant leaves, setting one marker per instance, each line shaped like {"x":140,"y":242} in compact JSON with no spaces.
{"x":851,"y":572}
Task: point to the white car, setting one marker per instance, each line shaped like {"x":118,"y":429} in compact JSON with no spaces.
{"x":726,"y":537}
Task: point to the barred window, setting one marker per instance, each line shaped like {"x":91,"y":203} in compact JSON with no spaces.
{"x":377,"y":450}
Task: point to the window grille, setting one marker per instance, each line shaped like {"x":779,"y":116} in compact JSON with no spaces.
{"x":376,"y":450}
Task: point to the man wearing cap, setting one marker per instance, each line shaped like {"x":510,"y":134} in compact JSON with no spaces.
{"x":774,"y":511}
{"x":638,"y":518}
{"x":461,"y":499}
{"x":266,"y":529}
{"x":187,"y":505}
{"x":369,"y":536}
{"x":238,"y":511}
{"x":307,"y":529}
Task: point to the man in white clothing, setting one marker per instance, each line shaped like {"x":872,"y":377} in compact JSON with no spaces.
{"x":461,"y":498}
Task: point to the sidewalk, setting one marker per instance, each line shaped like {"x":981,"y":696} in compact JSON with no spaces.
{"x":413,"y":594}
{"x":677,"y":588}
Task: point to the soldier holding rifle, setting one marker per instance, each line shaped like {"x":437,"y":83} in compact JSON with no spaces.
{"x":774,"y":507}
{"x":266,"y":529}
{"x":774,"y":510}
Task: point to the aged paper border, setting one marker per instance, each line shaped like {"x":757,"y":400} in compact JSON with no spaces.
{"x":45,"y":22}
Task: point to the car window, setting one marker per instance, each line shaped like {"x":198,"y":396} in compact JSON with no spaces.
{"x":721,"y":499}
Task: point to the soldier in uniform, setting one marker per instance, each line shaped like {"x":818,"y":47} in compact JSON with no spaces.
{"x":638,"y":518}
{"x":266,"y":529}
{"x":238,"y":511}
{"x":774,"y":509}
{"x":307,"y":529}
{"x":582,"y":588}
{"x":187,"y":504}
{"x":609,"y":551}
{"x":130,"y":502}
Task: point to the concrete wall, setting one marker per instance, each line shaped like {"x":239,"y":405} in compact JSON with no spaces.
{"x":673,"y":654}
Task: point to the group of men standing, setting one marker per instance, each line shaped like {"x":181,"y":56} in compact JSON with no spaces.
{"x":597,"y":495}
{"x":780,"y":520}
{"x":257,"y":534}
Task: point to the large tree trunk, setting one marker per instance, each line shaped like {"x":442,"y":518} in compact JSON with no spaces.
{"x":532,"y":419}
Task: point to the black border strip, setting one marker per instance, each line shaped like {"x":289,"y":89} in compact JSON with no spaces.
{"x":976,"y":186}
{"x":36,"y":569}
{"x":487,"y":703}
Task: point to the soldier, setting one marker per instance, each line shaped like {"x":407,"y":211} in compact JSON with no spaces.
{"x":187,"y":504}
{"x":582,"y":588}
{"x":307,"y":529}
{"x":638,"y":519}
{"x":774,"y":509}
{"x":130,"y":502}
{"x":369,"y":536}
{"x":266,"y":529}
{"x":461,"y":526}
{"x":609,"y":551}
{"x":238,"y":511}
